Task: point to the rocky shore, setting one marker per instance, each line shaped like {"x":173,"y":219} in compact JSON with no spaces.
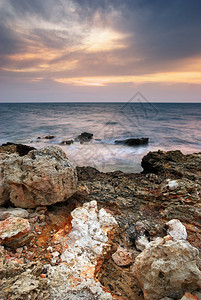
{"x":77,"y":233}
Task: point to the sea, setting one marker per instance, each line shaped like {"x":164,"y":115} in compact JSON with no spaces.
{"x":169,"y":126}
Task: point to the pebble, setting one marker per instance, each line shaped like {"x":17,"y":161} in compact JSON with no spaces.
{"x":19,"y":250}
{"x":50,"y":249}
{"x":42,"y":218}
{"x":122,"y":257}
{"x":55,"y":254}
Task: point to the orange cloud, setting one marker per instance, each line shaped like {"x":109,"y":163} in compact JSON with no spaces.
{"x":167,"y":78}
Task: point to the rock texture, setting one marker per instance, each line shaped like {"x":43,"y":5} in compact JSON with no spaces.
{"x":16,"y":148}
{"x":173,"y":163}
{"x":87,"y":243}
{"x":189,"y":296}
{"x":14,"y":232}
{"x":13,"y":212}
{"x":142,"y":204}
{"x":42,"y":177}
{"x":176,"y":229}
{"x":167,"y":268}
{"x":123,"y":257}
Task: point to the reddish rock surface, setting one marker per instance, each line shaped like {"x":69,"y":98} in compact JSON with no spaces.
{"x":42,"y":177}
{"x":14,"y":232}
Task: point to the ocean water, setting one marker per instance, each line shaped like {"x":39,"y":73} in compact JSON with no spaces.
{"x":169,"y":126}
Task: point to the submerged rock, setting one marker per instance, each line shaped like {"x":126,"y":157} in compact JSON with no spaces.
{"x":86,"y":245}
{"x":49,"y":137}
{"x":14,"y":232}
{"x":133,"y":142}
{"x":42,"y":177}
{"x":85,"y":137}
{"x":168,"y":268}
{"x":68,"y":142}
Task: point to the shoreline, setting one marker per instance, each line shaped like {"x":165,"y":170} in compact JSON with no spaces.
{"x":169,"y":188}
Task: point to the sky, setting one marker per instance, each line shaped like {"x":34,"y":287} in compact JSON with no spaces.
{"x":100,"y":50}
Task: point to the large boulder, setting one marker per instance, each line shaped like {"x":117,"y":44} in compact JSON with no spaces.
{"x":42,"y":177}
{"x":168,"y":268}
{"x":173,"y":163}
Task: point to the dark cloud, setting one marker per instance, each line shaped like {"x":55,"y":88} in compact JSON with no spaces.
{"x":159,"y":33}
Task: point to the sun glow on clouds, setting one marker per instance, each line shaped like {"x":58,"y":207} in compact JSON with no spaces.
{"x":167,"y":78}
{"x":67,"y":45}
{"x":101,"y":39}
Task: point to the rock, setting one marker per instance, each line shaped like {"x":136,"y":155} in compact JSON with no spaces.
{"x":49,"y":137}
{"x":14,"y":232}
{"x":123,"y":257}
{"x":13,"y":212}
{"x":85,"y":137}
{"x":86,"y":245}
{"x":172,"y":184}
{"x":139,"y":236}
{"x":133,"y":141}
{"x":167,"y":268}
{"x":2,"y":258}
{"x":189,"y":296}
{"x":85,"y":173}
{"x":42,"y":177}
{"x":173,"y":163}
{"x":16,"y":148}
{"x":141,"y":242}
{"x":68,"y":142}
{"x":176,"y":229}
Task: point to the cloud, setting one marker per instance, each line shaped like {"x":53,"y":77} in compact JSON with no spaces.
{"x":98,"y":43}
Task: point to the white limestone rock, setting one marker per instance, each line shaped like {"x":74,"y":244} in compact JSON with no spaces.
{"x":167,"y":268}
{"x":172,"y":184}
{"x":86,"y":243}
{"x":176,"y":229}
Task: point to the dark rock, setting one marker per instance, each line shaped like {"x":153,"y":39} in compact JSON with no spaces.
{"x":173,"y":163}
{"x":68,"y":142}
{"x":133,"y":142}
{"x":86,"y":173}
{"x":13,"y":148}
{"x":85,"y":137}
{"x":49,"y":137}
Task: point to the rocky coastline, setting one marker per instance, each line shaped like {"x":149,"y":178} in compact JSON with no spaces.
{"x":76,"y":233}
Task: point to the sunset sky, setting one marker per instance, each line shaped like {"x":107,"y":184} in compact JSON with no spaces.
{"x":97,"y":50}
